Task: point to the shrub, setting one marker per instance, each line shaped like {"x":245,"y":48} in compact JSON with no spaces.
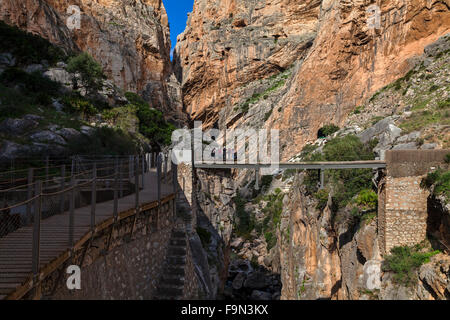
{"x":440,"y":179}
{"x":271,"y":240}
{"x":103,"y":141}
{"x":205,"y":236}
{"x":34,"y":83}
{"x":344,"y":183}
{"x":447,"y":158}
{"x":367,"y":199}
{"x":151,"y":122}
{"x":91,"y":72}
{"x":322,"y":196}
{"x":245,"y":221}
{"x":404,"y":262}
{"x":327,"y":130}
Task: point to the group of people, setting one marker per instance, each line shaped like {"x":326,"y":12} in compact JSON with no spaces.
{"x":225,"y":154}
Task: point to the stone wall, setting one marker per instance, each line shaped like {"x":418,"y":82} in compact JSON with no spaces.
{"x":191,"y":285}
{"x":403,"y":204}
{"x":405,"y":212}
{"x":127,"y":269}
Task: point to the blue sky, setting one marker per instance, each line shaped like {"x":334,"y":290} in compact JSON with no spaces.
{"x":177,"y":11}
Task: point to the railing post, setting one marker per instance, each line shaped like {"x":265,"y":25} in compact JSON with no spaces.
{"x":71,"y":212}
{"x":143,"y":171}
{"x":136,"y":181}
{"x":116,"y":193}
{"x":165,"y":167}
{"x":93,"y":196}
{"x":72,"y":169}
{"x":46,"y":170}
{"x":63,"y":185}
{"x":121,"y":178}
{"x":36,"y":232}
{"x":175,"y":188}
{"x":29,"y":194}
{"x":158,"y":180}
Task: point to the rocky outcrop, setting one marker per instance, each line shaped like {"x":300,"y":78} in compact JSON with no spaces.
{"x":229,"y":44}
{"x":129,"y":38}
{"x":337,"y":60}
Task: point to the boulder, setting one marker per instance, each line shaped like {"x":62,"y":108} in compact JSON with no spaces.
{"x":405,"y":146}
{"x":429,"y":146}
{"x":260,"y":295}
{"x":17,"y":126}
{"x":68,"y":133}
{"x":60,"y":75}
{"x":34,"y":68}
{"x":238,"y":281}
{"x":412,"y":137}
{"x":237,"y":243}
{"x":7,"y":60}
{"x":33,"y":117}
{"x":372,"y":275}
{"x":256,"y":280}
{"x":86,"y":130}
{"x":11,"y":150}
{"x":47,"y":137}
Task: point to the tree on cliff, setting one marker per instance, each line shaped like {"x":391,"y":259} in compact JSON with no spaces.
{"x":89,"y":70}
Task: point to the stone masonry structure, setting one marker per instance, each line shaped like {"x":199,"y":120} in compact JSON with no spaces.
{"x":403,"y":212}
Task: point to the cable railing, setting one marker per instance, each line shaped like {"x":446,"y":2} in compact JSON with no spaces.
{"x":25,"y":207}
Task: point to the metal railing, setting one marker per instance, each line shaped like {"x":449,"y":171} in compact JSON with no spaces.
{"x":38,"y":194}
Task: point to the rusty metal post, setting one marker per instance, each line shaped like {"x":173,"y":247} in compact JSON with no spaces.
{"x":29,"y":194}
{"x":143,"y":171}
{"x":63,"y":185}
{"x":116,"y":193}
{"x":93,"y":196}
{"x":136,"y":181}
{"x":37,"y":232}
{"x":72,"y":212}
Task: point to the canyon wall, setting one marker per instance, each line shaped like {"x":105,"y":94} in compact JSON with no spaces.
{"x":131,"y":39}
{"x":231,"y":51}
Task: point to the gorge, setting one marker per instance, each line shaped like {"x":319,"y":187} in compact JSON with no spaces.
{"x":336,"y":88}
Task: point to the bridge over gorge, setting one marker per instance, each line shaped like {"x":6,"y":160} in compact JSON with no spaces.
{"x":402,"y":204}
{"x":78,"y":211}
{"x":52,"y":213}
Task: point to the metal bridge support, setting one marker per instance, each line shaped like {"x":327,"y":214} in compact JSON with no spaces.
{"x":257,"y":178}
{"x":322,"y":178}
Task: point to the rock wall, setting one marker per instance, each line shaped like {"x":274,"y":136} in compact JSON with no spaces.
{"x":131,"y":39}
{"x":335,"y":60}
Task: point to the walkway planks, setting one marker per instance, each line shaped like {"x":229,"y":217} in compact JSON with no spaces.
{"x":16,"y":247}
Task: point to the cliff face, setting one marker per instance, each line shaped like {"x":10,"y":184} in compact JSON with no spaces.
{"x":337,"y":60}
{"x":129,"y":38}
{"x":228,"y":44}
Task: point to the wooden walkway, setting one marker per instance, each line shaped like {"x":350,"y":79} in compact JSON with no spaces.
{"x":16,"y":247}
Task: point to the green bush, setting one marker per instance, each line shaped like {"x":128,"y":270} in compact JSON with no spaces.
{"x":440,"y":179}
{"x":151,"y":122}
{"x":327,"y":130}
{"x":103,"y":141}
{"x":33,"y":84}
{"x":345,"y":184}
{"x":447,"y":158}
{"x":205,"y":236}
{"x":245,"y":223}
{"x":28,"y":48}
{"x":91,"y":72}
{"x":368,"y":199}
{"x":404,"y":262}
{"x":271,"y":240}
{"x":322,"y":197}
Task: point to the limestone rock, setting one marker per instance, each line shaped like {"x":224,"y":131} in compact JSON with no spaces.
{"x":48,"y":137}
{"x":256,"y":280}
{"x":17,"y":126}
{"x":260,"y":295}
{"x":11,"y":150}
{"x":238,"y":281}
{"x":7,"y":60}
